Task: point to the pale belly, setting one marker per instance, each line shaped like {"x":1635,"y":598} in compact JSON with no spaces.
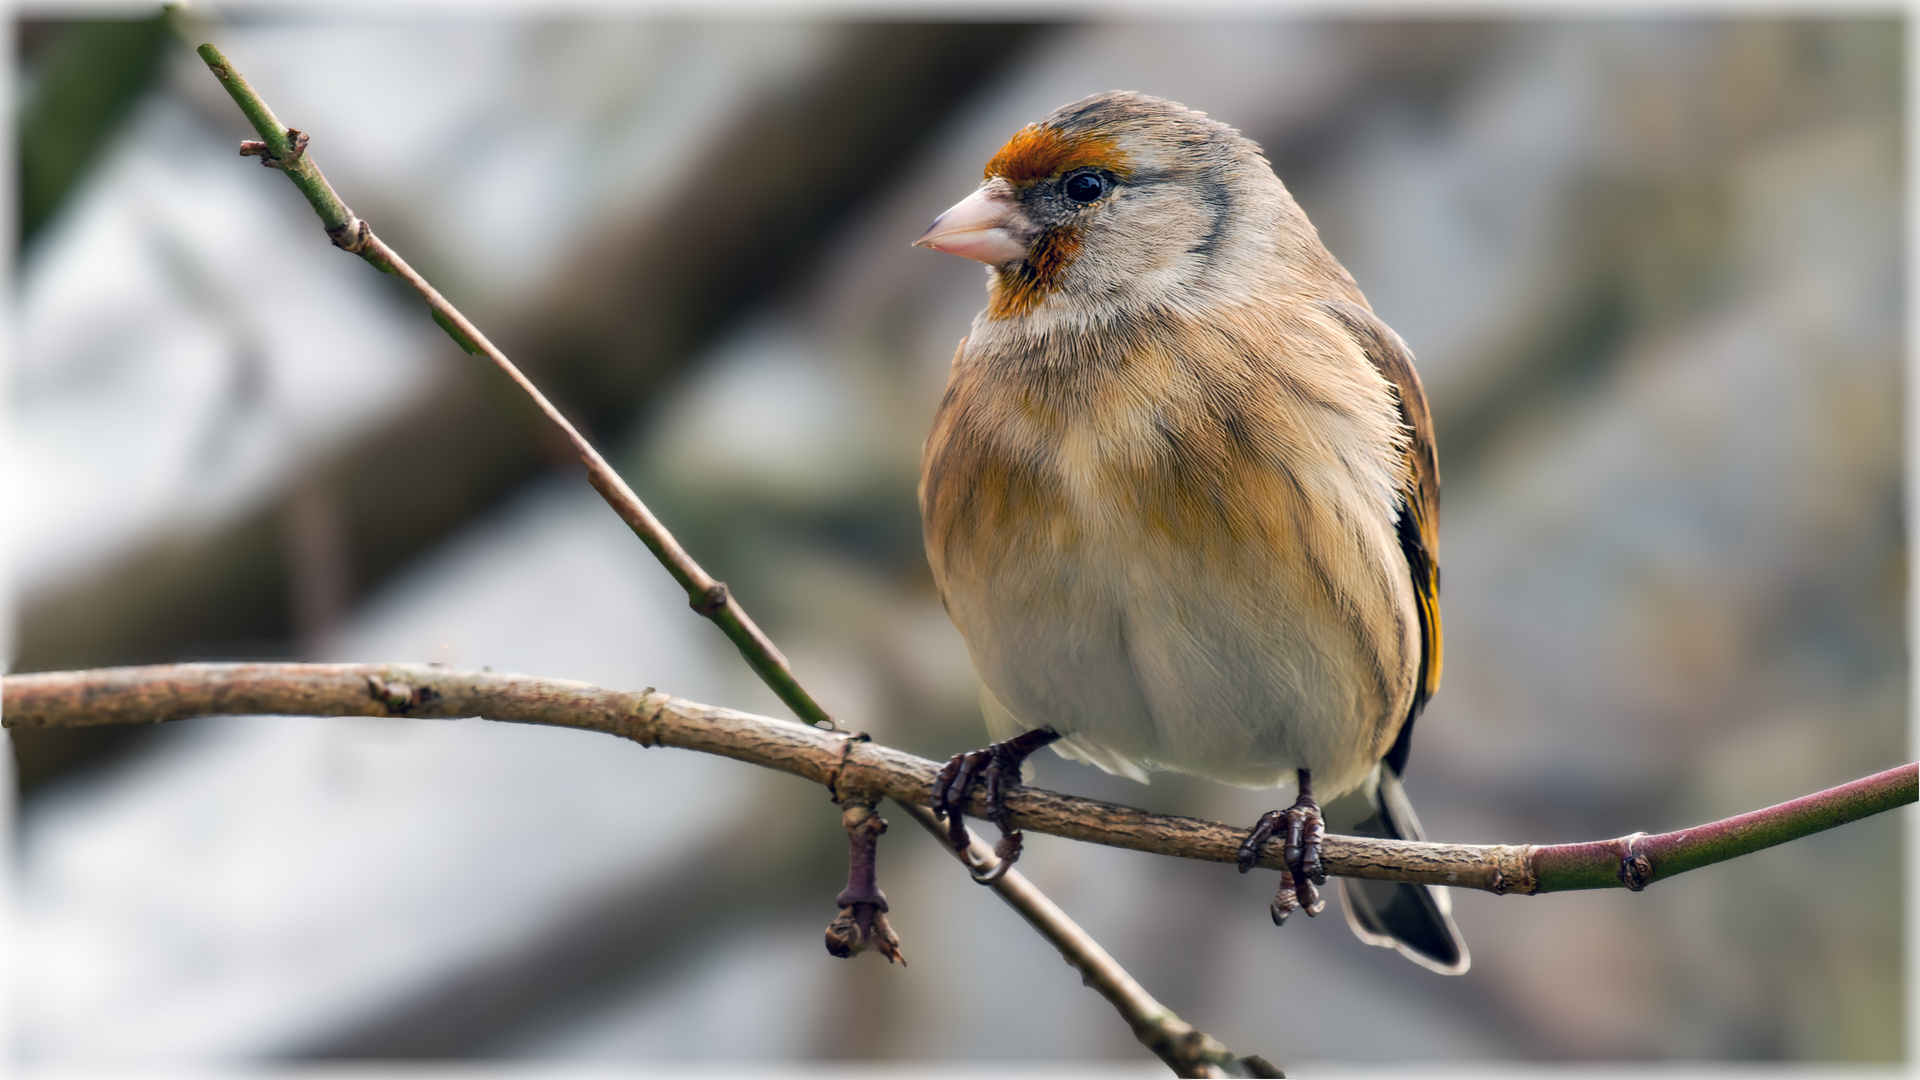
{"x":1148,"y":654}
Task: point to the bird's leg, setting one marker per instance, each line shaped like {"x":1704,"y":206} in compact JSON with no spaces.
{"x":1305,"y":828}
{"x":862,"y":922}
{"x":996,"y":766}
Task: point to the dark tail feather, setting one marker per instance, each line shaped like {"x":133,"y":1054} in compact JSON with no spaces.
{"x":1415,"y":919}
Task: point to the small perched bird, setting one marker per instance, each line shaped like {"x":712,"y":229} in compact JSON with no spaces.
{"x":1181,"y":496}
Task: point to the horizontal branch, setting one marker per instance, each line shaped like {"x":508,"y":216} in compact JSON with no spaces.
{"x":867,"y":771}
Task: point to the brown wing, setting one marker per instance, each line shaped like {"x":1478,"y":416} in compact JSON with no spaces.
{"x":1419,"y":524}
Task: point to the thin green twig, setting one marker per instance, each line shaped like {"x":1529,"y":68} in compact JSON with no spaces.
{"x":285,"y":149}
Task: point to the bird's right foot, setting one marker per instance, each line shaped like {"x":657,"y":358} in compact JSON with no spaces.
{"x":995,"y":766}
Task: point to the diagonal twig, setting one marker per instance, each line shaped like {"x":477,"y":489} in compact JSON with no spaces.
{"x":1186,"y":1049}
{"x":284,"y":148}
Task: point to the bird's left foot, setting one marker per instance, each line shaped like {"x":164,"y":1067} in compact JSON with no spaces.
{"x":994,"y":766}
{"x":1303,"y":830}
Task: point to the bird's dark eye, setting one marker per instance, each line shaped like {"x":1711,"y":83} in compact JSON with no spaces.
{"x":1085,"y":187}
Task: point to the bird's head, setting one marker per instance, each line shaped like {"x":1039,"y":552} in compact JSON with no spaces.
{"x":1116,"y":200}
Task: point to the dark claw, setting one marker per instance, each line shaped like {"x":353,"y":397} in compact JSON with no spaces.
{"x":1257,"y":838}
{"x":1295,"y":895}
{"x":950,"y":787}
{"x":1304,"y":829}
{"x":1284,"y":902}
{"x":996,"y":768}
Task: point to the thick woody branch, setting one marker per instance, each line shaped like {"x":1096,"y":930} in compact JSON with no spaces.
{"x":863,"y":771}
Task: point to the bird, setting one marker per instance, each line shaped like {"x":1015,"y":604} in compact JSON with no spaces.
{"x":1181,"y":496}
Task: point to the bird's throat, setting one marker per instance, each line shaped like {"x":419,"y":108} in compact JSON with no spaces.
{"x":1017,"y":289}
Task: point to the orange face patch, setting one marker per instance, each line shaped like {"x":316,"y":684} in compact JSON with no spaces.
{"x":1035,"y":153}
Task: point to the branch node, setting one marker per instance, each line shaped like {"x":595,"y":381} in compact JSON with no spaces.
{"x":1636,"y":867}
{"x":296,"y":149}
{"x":1192,"y":1052}
{"x":833,"y":778}
{"x":1510,"y":870}
{"x":642,"y":725}
{"x":712,"y":600}
{"x":400,"y":698}
{"x":353,"y":236}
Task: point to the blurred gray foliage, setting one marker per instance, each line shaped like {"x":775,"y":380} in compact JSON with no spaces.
{"x":1652,"y":272}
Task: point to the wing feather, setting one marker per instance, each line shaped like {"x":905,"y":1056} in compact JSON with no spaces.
{"x":1419,"y":523}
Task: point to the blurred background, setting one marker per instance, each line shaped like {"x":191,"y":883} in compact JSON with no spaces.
{"x":1653,"y":274}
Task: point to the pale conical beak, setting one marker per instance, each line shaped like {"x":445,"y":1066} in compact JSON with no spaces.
{"x":977,"y":228}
